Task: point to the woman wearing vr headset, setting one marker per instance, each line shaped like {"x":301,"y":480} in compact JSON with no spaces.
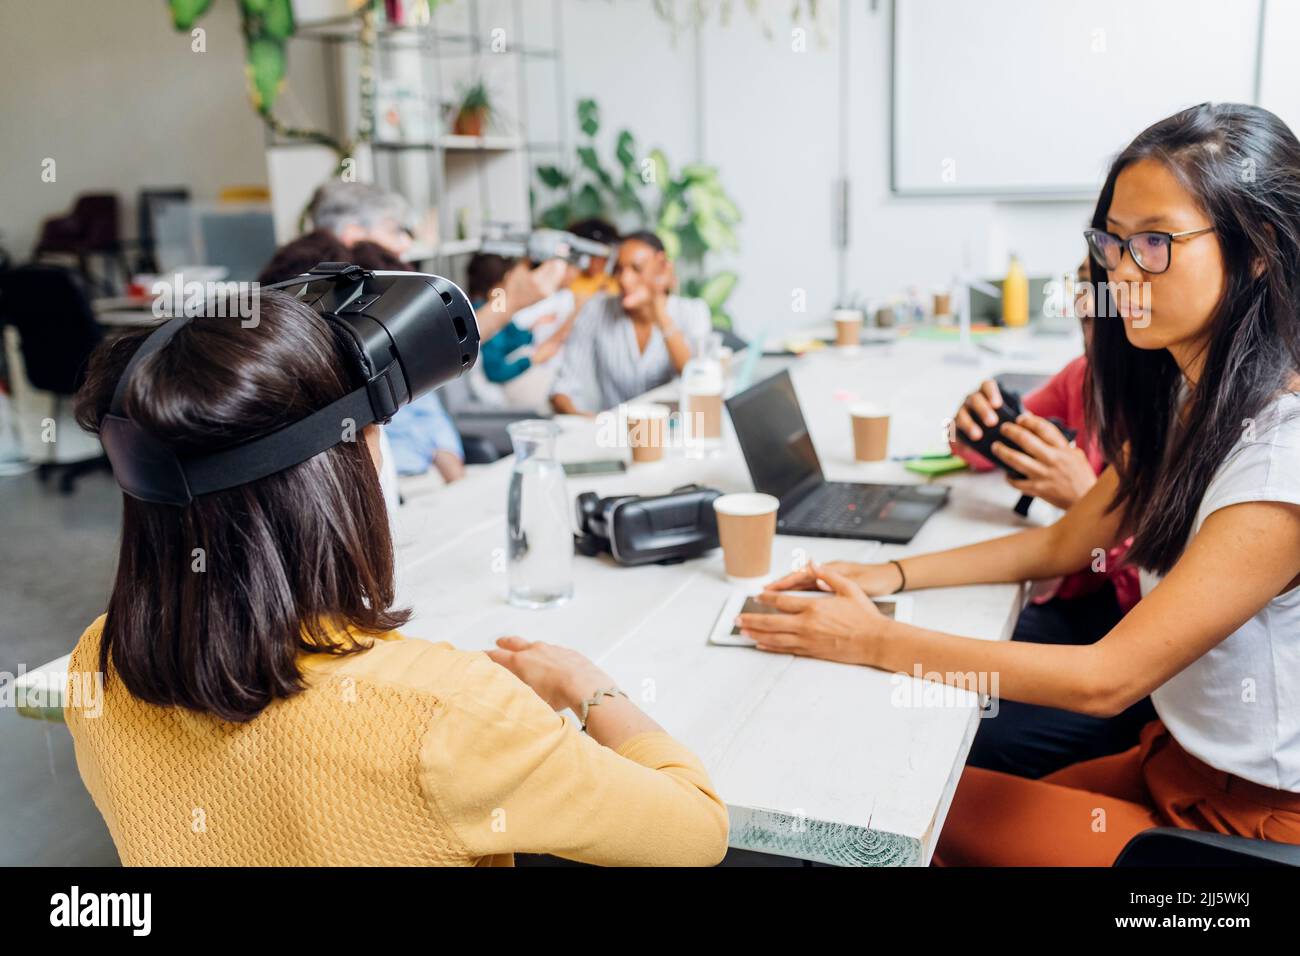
{"x":1196,"y":385}
{"x":260,"y":706}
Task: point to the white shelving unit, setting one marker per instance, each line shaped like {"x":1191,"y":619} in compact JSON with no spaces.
{"x":476,"y":183}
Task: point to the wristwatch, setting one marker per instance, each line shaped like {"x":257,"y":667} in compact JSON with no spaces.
{"x":593,"y":700}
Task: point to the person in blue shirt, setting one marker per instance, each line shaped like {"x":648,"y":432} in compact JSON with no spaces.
{"x":423,"y":436}
{"x":545,"y":324}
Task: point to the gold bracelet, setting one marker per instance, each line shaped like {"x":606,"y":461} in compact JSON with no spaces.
{"x":593,"y":700}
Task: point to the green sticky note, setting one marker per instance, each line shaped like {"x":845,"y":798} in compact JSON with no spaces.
{"x":933,"y":467}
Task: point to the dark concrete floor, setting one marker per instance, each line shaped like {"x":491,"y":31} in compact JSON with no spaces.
{"x":57,"y":555}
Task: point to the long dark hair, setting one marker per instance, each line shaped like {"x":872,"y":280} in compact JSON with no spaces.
{"x":213,"y":601}
{"x":1243,"y":165}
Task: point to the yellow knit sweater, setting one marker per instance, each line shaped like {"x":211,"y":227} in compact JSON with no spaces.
{"x":405,"y":754}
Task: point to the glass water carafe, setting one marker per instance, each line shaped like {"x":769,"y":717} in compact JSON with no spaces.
{"x":539,"y":532}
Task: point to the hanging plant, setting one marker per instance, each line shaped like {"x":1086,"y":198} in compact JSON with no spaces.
{"x":267,"y":26}
{"x":697,"y":12}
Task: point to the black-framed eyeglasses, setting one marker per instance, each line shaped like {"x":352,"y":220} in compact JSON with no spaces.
{"x":1151,"y":251}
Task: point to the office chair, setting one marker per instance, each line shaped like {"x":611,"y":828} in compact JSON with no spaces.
{"x":1171,"y":846}
{"x":479,"y":449}
{"x":49,"y":308}
{"x":90,"y":229}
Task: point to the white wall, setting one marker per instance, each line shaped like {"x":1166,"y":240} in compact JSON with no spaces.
{"x":114,"y":95}
{"x":767,"y":114}
{"x":768,"y":119}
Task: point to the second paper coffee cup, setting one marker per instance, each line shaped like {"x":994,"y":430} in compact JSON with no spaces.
{"x":870,"y":432}
{"x":647,"y":431}
{"x":746,"y":527}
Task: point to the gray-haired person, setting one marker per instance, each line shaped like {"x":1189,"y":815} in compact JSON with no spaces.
{"x":362,"y":212}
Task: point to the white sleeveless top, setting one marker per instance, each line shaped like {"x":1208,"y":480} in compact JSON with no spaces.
{"x":1237,"y":707}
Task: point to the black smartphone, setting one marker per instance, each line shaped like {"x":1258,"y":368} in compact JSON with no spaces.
{"x":604,"y":466}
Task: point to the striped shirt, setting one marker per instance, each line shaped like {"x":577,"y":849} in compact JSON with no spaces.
{"x":601,"y":365}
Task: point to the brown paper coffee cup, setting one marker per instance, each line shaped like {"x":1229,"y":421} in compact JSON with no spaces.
{"x":702,"y":412}
{"x":848,"y":327}
{"x":647,"y":431}
{"x":870,"y":432}
{"x":746,"y":527}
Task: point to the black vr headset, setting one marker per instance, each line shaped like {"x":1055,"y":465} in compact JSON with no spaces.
{"x":405,"y":333}
{"x":656,"y":529}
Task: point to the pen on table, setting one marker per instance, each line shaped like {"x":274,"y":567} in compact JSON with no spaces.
{"x":925,"y":456}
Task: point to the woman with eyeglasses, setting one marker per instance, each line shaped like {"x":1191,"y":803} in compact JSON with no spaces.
{"x":1031,"y":740}
{"x":1195,"y":377}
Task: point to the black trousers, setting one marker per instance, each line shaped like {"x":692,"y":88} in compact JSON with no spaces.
{"x":1029,"y":740}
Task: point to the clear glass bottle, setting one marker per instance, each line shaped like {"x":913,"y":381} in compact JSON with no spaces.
{"x":539,"y":529}
{"x":701,"y":398}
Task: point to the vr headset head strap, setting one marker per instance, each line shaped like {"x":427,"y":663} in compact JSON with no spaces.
{"x":148,"y":469}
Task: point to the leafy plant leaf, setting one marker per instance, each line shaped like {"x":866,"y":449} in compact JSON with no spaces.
{"x":672,"y":215}
{"x":630,"y":201}
{"x":715,"y":234}
{"x":716,"y":290}
{"x":701,"y":201}
{"x":672,"y":243}
{"x":265,"y":71}
{"x":587,"y":156}
{"x":557,"y":217}
{"x":278,"y":18}
{"x":254,"y":8}
{"x":659,"y":163}
{"x":588,"y":117}
{"x":700,"y":173}
{"x":553,"y":177}
{"x":693,"y":246}
{"x":588,"y":204}
{"x":185,"y":13}
{"x":724,"y":208}
{"x":625,"y":150}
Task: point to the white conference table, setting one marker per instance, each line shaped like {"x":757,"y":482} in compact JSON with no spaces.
{"x":830,"y":762}
{"x":817,"y":760}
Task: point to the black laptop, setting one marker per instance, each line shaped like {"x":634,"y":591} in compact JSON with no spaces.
{"x":783,"y":463}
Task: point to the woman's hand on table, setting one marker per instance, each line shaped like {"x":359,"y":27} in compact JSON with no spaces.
{"x":560,"y":676}
{"x":872,"y":578}
{"x":843,"y":626}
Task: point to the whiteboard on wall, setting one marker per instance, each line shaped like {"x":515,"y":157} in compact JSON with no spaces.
{"x":1035,"y":97}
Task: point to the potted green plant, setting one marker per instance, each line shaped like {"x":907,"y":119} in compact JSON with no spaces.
{"x":688,"y":208}
{"x":475,"y":110}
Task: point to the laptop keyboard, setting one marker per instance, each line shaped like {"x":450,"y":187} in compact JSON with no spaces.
{"x":839,"y":507}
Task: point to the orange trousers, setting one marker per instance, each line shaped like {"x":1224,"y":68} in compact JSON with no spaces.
{"x":1084,"y":814}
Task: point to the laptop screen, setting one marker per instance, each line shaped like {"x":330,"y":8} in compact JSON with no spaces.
{"x":774,"y":437}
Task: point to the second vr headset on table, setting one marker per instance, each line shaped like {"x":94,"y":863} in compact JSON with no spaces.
{"x":404,"y":334}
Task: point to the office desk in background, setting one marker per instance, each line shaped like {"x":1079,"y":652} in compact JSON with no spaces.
{"x":124,"y":312}
{"x":817,"y":760}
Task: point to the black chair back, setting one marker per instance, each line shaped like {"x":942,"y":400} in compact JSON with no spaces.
{"x":49,"y":307}
{"x":1169,"y":846}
